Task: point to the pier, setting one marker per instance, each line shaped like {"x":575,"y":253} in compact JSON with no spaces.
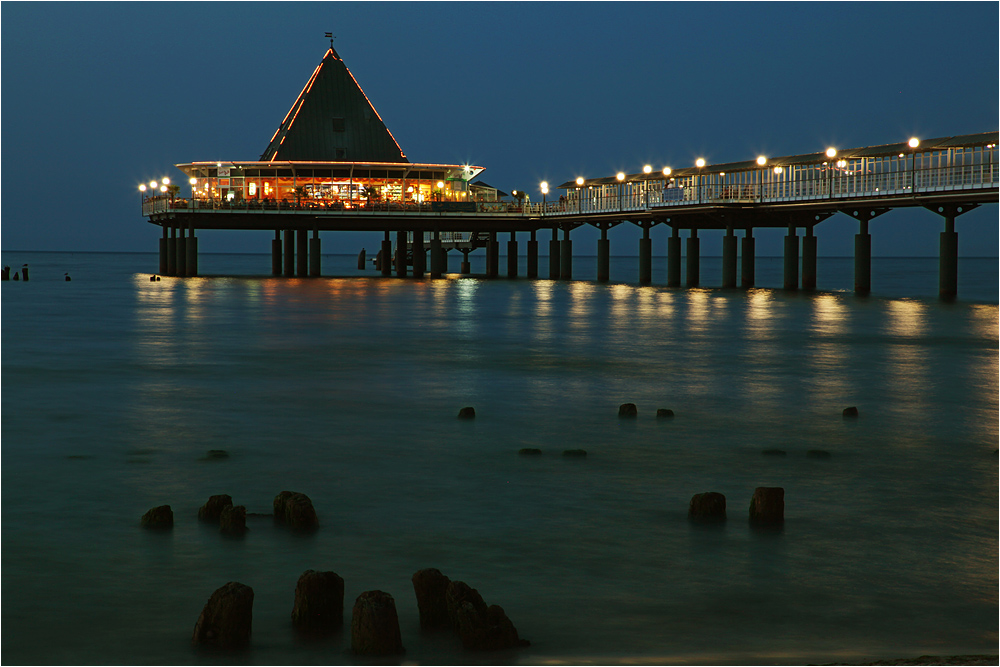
{"x":304,"y":184}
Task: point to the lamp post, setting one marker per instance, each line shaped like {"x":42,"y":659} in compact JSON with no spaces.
{"x":621,"y":181}
{"x":913,"y":143}
{"x":666,"y":174}
{"x":700,"y":163}
{"x":579,"y":194}
{"x":545,"y":191}
{"x":647,"y":170}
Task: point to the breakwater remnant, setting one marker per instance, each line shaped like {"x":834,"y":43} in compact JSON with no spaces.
{"x":227,"y":619}
{"x":850,"y":412}
{"x":212,"y":509}
{"x":664,"y":413}
{"x":319,"y":602}
{"x":628,"y":410}
{"x":767,"y":506}
{"x":480,"y":627}
{"x":375,"y":625}
{"x":233,"y":520}
{"x":707,"y":507}
{"x":467,"y":413}
{"x":159,"y":518}
{"x":430,"y":587}
{"x":295,"y":510}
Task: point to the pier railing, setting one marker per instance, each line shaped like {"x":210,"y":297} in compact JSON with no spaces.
{"x":801,"y":185}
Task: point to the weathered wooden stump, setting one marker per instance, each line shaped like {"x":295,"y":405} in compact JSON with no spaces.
{"x":850,"y":412}
{"x":233,"y":520}
{"x":467,"y":413}
{"x":212,"y":509}
{"x":664,"y":413}
{"x":159,"y":518}
{"x":375,"y":626}
{"x":319,"y":602}
{"x":430,"y":587}
{"x":296,"y":510}
{"x":767,"y":507}
{"x":707,"y":507}
{"x":628,"y":410}
{"x":227,"y":619}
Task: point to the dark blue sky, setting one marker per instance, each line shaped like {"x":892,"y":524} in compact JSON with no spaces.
{"x":99,"y":97}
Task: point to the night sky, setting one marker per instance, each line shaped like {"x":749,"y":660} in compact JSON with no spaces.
{"x":99,"y":97}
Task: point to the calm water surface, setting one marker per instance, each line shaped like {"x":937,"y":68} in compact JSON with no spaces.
{"x":346,"y":389}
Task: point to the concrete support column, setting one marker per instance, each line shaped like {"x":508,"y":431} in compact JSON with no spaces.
{"x":863,"y":260}
{"x":603,"y":257}
{"x":437,"y":256}
{"x":566,"y":256}
{"x":646,"y":258}
{"x":192,"y":253}
{"x":729,"y":258}
{"x":532,"y":269}
{"x":386,"y":267}
{"x":163,"y":253}
{"x":400,"y":254}
{"x":948,"y":261}
{"x":466,"y":267}
{"x":809,"y":260}
{"x":180,"y":268}
{"x":419,"y":255}
{"x":276,"y":254}
{"x":791,"y":259}
{"x":492,"y":256}
{"x":693,"y":259}
{"x":748,"y":258}
{"x":674,"y":259}
{"x":289,"y":253}
{"x":302,"y":253}
{"x":512,"y":256}
{"x":554,"y":255}
{"x":314,"y":254}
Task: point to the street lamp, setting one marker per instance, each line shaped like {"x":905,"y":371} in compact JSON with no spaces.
{"x":647,"y":169}
{"x":579,"y":194}
{"x":913,"y":143}
{"x":545,"y":191}
{"x":700,"y":162}
{"x":621,"y":180}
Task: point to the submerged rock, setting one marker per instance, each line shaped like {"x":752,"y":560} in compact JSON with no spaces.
{"x":664,"y":413}
{"x":159,"y":518}
{"x":319,"y":602}
{"x":628,"y":410}
{"x":850,"y":412}
{"x":227,"y":619}
{"x":431,"y":587}
{"x":375,"y":625}
{"x":774,"y":452}
{"x":707,"y":507}
{"x":216,"y":455}
{"x":818,"y":454}
{"x":467,"y":413}
{"x":529,"y":451}
{"x":767,"y":505}
{"x":212,"y":509}
{"x":579,"y":453}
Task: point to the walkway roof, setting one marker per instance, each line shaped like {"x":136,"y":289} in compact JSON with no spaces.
{"x":926,"y":146}
{"x":333,"y":120}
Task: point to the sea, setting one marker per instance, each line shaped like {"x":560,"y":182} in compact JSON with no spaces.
{"x":347,"y":388}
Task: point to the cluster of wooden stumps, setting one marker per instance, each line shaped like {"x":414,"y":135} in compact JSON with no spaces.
{"x":226,"y":621}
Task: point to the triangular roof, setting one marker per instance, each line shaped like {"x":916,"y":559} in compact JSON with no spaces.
{"x":333,"y":121}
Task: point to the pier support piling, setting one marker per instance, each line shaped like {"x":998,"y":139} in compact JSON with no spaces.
{"x":192,"y":253}
{"x":863,"y":260}
{"x":438,"y":266}
{"x":172,"y":253}
{"x":302,"y":253}
{"x":566,"y":256}
{"x":747,"y":260}
{"x":401,"y":254}
{"x":419,"y":255}
{"x":163,"y":253}
{"x":809,"y":260}
{"x":289,"y":253}
{"x":512,"y":256}
{"x":674,"y":258}
{"x":554,"y":255}
{"x":948,"y":258}
{"x":791,"y":272}
{"x":276,"y":254}
{"x":603,"y":257}
{"x":693,"y":259}
{"x":180,"y":268}
{"x":493,"y":256}
{"x":314,"y":255}
{"x":729,"y":258}
{"x":386,"y":253}
{"x":466,"y":267}
{"x":645,"y":257}
{"x":532,"y":268}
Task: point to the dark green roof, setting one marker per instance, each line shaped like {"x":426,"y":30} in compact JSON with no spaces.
{"x":333,"y":121}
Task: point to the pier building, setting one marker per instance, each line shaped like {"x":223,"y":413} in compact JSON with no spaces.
{"x":333,"y":165}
